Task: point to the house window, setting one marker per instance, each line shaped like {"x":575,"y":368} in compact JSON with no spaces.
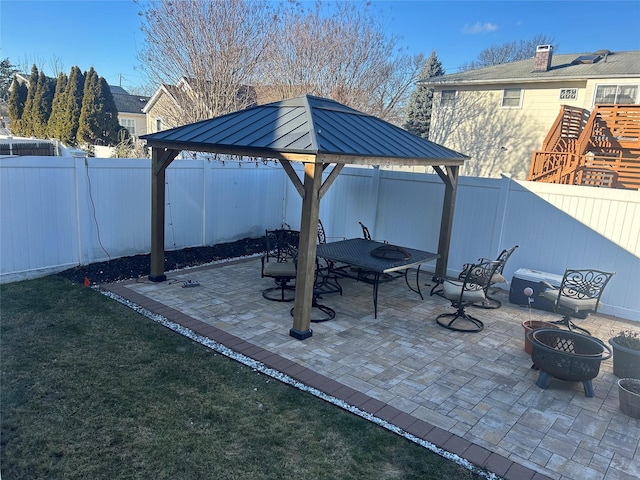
{"x":129,"y":124}
{"x":447,"y":97}
{"x":512,"y":97}
{"x":616,"y":94}
{"x":568,"y":93}
{"x":158,"y":124}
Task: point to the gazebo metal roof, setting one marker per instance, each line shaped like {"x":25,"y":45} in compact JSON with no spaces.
{"x":317,"y":132}
{"x":306,"y":125}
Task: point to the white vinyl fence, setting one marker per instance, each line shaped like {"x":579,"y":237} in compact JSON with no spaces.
{"x":56,"y":213}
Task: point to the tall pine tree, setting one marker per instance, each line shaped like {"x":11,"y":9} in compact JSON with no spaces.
{"x":41,"y":108}
{"x":418,"y":113}
{"x":89,"y":127}
{"x":110,"y":127}
{"x":17,"y":101}
{"x":7,"y":74}
{"x":72,"y":107}
{"x":56,"y":120}
{"x":26,"y":120}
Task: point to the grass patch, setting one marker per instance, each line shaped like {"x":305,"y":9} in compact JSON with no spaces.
{"x":91,"y":389}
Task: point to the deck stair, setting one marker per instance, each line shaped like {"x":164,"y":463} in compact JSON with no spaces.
{"x":603,"y":150}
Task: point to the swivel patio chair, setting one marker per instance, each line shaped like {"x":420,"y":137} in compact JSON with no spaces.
{"x":578,"y":295}
{"x":462,"y":293}
{"x":278,"y":262}
{"x":491,"y":302}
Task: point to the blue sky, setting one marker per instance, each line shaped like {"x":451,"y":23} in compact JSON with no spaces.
{"x":107,"y":36}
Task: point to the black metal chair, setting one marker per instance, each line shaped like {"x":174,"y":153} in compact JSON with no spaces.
{"x":365,"y":231}
{"x":462,"y":293}
{"x":491,"y":302}
{"x":578,"y":295}
{"x":367,"y":235}
{"x":326,"y":280}
{"x":362,"y":273}
{"x":278,"y":262}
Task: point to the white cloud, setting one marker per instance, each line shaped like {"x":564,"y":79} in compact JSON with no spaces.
{"x":480,"y":28}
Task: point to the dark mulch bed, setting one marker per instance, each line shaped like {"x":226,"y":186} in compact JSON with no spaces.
{"x":140,"y":265}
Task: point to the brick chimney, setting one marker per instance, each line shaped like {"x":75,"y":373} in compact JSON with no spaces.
{"x":543,"y":58}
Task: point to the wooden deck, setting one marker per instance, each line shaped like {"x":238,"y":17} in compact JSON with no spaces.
{"x":598,"y":149}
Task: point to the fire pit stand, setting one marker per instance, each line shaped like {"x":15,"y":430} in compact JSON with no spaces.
{"x":568,"y":356}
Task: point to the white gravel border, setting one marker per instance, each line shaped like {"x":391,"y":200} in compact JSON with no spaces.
{"x":262,"y":368}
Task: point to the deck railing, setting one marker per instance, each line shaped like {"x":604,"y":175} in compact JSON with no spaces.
{"x":604,"y":152}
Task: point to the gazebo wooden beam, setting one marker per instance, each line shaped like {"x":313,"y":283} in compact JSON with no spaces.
{"x":450,"y":180}
{"x":305,"y":275}
{"x":160,"y":159}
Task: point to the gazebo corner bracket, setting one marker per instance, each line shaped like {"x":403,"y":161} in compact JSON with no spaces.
{"x":163,"y":159}
{"x":293,"y":176}
{"x":335,"y":171}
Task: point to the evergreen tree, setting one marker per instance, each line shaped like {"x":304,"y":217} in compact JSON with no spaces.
{"x":72,"y":106}
{"x":41,"y":108}
{"x":90,"y":125}
{"x":108,"y":113}
{"x":17,"y":101}
{"x":418,"y":113}
{"x":7,"y":72}
{"x":26,"y":120}
{"x":56,"y":120}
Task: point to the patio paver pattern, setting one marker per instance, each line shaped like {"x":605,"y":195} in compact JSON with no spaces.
{"x":472,"y":394}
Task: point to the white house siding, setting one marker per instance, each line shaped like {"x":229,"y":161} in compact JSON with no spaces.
{"x":498,"y":140}
{"x":482,"y":132}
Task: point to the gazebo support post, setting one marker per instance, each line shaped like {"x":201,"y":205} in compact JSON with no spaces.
{"x":160,"y":160}
{"x":305,"y":277}
{"x":450,"y":180}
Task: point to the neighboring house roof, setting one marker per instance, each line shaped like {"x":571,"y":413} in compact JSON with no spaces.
{"x":20,"y":78}
{"x":126,"y":103}
{"x":304,"y":125}
{"x":563,"y":67}
{"x":117,"y":89}
{"x":263,"y":93}
{"x":164,"y":89}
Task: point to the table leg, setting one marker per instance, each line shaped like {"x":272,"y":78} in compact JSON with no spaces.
{"x":406,"y":279}
{"x":376,"y":282}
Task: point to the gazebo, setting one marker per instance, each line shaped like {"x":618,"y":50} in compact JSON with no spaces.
{"x":321,"y":134}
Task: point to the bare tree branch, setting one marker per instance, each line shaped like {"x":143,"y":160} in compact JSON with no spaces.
{"x":508,"y":52}
{"x":216,"y":45}
{"x":222,"y":47}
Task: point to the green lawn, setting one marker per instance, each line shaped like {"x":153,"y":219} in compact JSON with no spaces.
{"x":93,"y":390}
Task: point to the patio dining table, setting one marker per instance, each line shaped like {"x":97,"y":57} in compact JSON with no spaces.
{"x":374,"y":262}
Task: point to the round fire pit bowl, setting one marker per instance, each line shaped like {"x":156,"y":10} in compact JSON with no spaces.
{"x":567,"y":356}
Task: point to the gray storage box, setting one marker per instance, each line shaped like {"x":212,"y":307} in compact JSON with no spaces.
{"x":523,"y":278}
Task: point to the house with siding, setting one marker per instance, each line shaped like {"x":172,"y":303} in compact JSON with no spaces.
{"x":130,"y":110}
{"x":500,"y":114}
